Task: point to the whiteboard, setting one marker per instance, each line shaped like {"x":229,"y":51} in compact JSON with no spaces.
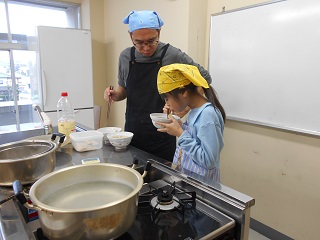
{"x":265,"y":64}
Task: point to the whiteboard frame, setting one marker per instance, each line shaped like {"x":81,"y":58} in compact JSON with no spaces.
{"x":255,"y":122}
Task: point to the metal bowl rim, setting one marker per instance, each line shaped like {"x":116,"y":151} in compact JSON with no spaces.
{"x":52,"y":148}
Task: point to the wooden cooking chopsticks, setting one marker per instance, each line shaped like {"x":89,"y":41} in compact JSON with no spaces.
{"x":109,"y":103}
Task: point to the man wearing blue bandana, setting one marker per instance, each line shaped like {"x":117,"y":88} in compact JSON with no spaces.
{"x":137,"y":81}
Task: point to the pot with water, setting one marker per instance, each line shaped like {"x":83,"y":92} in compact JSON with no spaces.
{"x":96,"y":201}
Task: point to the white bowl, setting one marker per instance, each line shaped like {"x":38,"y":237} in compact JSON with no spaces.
{"x":161,"y":117}
{"x":106,"y":131}
{"x":120,"y":140}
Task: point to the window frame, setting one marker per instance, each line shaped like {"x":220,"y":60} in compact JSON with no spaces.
{"x":45,"y":3}
{"x":74,"y":11}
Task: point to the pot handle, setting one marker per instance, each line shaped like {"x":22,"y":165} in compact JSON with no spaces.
{"x":61,"y":138}
{"x":146,"y":169}
{"x":18,"y":192}
{"x":20,"y":195}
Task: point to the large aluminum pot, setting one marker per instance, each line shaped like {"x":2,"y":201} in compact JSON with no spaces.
{"x":96,"y":201}
{"x":27,"y":160}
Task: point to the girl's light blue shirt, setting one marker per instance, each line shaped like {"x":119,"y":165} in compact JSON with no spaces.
{"x":201,"y":142}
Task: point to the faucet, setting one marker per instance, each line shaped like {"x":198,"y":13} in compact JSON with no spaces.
{"x":46,"y":121}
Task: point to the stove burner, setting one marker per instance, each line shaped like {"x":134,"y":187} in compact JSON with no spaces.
{"x":163,"y":205}
{"x":165,"y":198}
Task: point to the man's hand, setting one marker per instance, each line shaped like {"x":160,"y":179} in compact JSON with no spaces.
{"x":115,"y":94}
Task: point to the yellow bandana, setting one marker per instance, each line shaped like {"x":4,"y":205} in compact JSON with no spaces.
{"x":179,"y":75}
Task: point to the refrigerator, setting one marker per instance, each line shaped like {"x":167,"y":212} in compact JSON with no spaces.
{"x":64,"y":64}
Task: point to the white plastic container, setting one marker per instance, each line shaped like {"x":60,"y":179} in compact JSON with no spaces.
{"x":86,"y":141}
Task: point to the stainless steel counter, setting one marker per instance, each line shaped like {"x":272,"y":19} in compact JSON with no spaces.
{"x":68,"y":156}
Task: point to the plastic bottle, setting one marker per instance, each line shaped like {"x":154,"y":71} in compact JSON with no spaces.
{"x":66,"y":118}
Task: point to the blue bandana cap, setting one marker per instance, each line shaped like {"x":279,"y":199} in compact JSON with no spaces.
{"x":143,"y":19}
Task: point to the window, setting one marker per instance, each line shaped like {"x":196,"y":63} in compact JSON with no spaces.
{"x":19,"y":86}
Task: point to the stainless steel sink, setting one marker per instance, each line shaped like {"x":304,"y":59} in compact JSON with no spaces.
{"x":22,"y":135}
{"x":18,"y":136}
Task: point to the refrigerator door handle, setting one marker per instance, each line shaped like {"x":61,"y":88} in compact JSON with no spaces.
{"x":44,"y":87}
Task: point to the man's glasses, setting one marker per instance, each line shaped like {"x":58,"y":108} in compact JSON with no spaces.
{"x":150,"y":43}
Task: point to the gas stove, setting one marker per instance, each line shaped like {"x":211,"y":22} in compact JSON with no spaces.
{"x":172,"y":205}
{"x":168,"y":212}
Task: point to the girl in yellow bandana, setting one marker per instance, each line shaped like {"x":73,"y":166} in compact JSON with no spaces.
{"x":200,"y":138}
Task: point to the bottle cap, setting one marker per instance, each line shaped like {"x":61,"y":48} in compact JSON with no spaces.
{"x":64,"y":94}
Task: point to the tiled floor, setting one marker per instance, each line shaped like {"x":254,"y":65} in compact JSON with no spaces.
{"x":253,"y":235}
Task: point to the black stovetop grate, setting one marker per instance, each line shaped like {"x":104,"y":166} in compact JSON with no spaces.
{"x":182,"y":201}
{"x":182,"y":222}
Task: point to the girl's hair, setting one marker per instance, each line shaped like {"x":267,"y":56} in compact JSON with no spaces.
{"x":209,"y":93}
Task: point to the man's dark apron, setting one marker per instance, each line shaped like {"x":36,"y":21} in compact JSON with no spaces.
{"x":142,"y":99}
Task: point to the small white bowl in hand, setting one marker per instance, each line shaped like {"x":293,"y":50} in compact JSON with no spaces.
{"x":106,"y":131}
{"x":161,"y":117}
{"x":120,"y":140}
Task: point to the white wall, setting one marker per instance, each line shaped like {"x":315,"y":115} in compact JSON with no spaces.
{"x":278,"y":168}
{"x":197,"y":30}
